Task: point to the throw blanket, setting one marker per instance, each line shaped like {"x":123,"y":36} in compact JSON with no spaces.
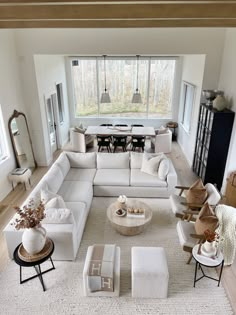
{"x":227,"y":231}
{"x":101,"y":268}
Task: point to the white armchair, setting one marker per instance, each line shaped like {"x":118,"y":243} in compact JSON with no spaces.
{"x":79,"y":141}
{"x":162,"y":142}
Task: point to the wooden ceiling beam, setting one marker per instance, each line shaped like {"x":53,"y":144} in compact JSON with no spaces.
{"x":110,"y":1}
{"x":121,"y":11}
{"x":118,"y":23}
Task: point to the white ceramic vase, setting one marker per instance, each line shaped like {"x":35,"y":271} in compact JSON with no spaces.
{"x":209,"y":248}
{"x":219,"y":103}
{"x":34,"y":239}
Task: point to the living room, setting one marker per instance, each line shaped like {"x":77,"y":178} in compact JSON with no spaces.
{"x":29,"y":59}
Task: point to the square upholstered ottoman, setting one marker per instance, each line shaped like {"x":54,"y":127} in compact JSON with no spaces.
{"x":150,"y":274}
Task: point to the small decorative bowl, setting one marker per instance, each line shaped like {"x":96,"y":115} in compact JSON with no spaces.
{"x":120,"y":212}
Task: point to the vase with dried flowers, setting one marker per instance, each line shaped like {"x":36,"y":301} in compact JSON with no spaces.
{"x":29,"y":218}
{"x":209,"y":247}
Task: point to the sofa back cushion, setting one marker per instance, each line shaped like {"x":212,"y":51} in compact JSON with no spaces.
{"x":82,"y":160}
{"x":63,"y":163}
{"x":136,"y":160}
{"x":115,"y":160}
{"x":54,"y":178}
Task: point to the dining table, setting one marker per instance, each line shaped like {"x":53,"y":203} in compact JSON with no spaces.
{"x":118,"y":131}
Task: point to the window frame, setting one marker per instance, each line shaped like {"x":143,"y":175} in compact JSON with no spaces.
{"x":3,"y":139}
{"x":188,"y":89}
{"x":149,"y":58}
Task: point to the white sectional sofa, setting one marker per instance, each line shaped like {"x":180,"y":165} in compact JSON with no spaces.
{"x":77,"y":177}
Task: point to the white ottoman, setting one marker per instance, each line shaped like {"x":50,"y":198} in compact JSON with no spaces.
{"x":150,"y":274}
{"x":116,"y":271}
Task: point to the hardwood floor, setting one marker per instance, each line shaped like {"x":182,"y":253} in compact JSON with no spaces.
{"x":185,"y":177}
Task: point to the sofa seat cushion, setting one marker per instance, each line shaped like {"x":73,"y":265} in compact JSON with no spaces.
{"x":79,"y":211}
{"x":142,"y":179}
{"x":76,"y":191}
{"x":81,"y":174}
{"x":112,"y":177}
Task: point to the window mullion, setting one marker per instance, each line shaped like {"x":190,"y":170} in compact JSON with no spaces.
{"x":148,"y":85}
{"x":98,"y":96}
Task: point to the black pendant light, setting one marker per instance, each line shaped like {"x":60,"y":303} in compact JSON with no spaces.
{"x":105,"y":98}
{"x":137,"y":96}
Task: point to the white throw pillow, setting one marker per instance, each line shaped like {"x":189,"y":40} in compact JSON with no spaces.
{"x":163,"y":169}
{"x":162,"y":130}
{"x":58,"y":216}
{"x":150,"y":164}
{"x":52,"y":200}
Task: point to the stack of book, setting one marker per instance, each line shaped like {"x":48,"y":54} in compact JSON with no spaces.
{"x":19,"y":171}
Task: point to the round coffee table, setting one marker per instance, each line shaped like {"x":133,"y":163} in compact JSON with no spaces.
{"x":129,"y":225}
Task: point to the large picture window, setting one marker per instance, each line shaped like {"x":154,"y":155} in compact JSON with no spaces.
{"x":156,"y":85}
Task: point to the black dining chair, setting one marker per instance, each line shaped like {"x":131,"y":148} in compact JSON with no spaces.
{"x":119,"y":140}
{"x":137,"y":141}
{"x":104,"y":140}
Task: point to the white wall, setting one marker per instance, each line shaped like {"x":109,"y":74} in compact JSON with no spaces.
{"x":152,"y":41}
{"x":50,"y":70}
{"x":193,"y":69}
{"x":227,"y":84}
{"x":10,"y":99}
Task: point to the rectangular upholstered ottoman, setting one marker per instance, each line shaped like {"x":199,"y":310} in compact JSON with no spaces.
{"x":150,"y":274}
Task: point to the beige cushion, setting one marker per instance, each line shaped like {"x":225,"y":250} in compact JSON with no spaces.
{"x":54,"y":178}
{"x":184,"y":230}
{"x":82,"y":160}
{"x":58,"y":216}
{"x":197,"y":193}
{"x":112,"y":177}
{"x":76,"y":191}
{"x":51,"y":200}
{"x":136,"y":159}
{"x":112,"y":161}
{"x":206,"y":220}
{"x":81,"y":174}
{"x":176,"y":204}
{"x":163,"y":169}
{"x":141,"y":179}
{"x":79,"y":130}
{"x":150,"y":164}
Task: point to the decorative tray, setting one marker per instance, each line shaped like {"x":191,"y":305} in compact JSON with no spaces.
{"x":25,"y":256}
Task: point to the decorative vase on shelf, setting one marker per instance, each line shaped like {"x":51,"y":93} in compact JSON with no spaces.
{"x":209,"y":248}
{"x":220,"y":103}
{"x":34,"y":239}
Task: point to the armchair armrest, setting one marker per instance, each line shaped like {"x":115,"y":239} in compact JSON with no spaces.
{"x":182,"y":188}
{"x":193,"y":205}
{"x":191,"y":212}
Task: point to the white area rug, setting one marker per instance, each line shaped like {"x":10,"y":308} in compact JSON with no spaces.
{"x":64,"y":285}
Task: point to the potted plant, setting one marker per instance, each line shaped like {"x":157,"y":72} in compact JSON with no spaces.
{"x":29,"y":218}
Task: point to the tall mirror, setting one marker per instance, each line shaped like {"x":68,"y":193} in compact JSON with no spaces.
{"x":21,"y":141}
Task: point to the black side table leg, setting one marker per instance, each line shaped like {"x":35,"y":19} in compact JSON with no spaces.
{"x":40,"y":276}
{"x":221,"y":269}
{"x":195,"y":274}
{"x":52,"y":263}
{"x":20,"y":275}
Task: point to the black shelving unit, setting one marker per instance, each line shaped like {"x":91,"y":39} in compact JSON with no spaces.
{"x":212,"y":144}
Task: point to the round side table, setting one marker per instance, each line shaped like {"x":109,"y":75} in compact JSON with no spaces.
{"x":35,"y":261}
{"x":173,"y":125}
{"x":209,"y":262}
